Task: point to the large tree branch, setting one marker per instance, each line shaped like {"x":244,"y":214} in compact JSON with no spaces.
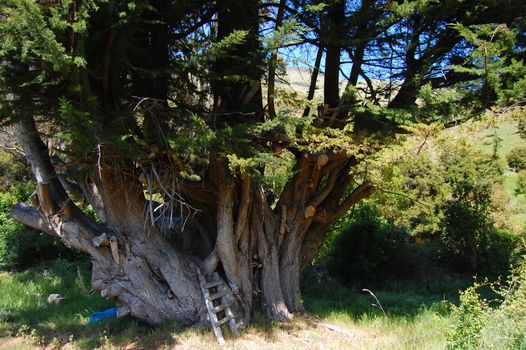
{"x":64,"y":219}
{"x":29,"y":216}
{"x":226,"y":245}
{"x":362,"y":191}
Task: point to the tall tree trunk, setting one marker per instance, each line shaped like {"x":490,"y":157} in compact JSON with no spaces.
{"x":236,"y":85}
{"x":271,"y":90}
{"x":407,"y":94}
{"x":334,"y":34}
{"x":314,"y":79}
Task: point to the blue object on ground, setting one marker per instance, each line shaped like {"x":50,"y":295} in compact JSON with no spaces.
{"x":102,"y":315}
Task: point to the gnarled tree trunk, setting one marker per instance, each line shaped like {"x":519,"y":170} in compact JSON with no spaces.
{"x":258,"y":250}
{"x":147,"y":255}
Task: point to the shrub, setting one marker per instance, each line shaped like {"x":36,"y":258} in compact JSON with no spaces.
{"x":477,"y":325}
{"x":421,"y":182}
{"x":13,"y":171}
{"x":466,"y":225}
{"x":470,"y":239}
{"x":469,"y":319}
{"x":517,"y":158}
{"x":521,"y":182}
{"x":522,"y":128}
{"x":369,"y":250}
{"x":496,"y":256}
{"x":502,"y":206}
{"x":21,"y":247}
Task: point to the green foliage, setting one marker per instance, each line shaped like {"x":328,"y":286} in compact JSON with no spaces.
{"x":37,"y":39}
{"x":522,"y":128}
{"x":468,"y":164}
{"x":470,"y":318}
{"x":12,"y":171}
{"x":287,"y":33}
{"x":20,"y":246}
{"x":478,"y":325}
{"x":517,"y":158}
{"x":413,"y":189}
{"x":471,"y":241}
{"x":437,"y":103}
{"x":489,"y":61}
{"x":223,"y":48}
{"x":79,"y":135}
{"x":31,"y":31}
{"x":193,"y":141}
{"x":412,"y":194}
{"x":467,"y":223}
{"x":370,"y":250}
{"x":450,"y":198}
{"x":521,"y":182}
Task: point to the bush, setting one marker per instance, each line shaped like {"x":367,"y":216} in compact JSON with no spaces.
{"x":466,"y":225}
{"x":497,"y":255}
{"x":369,"y":250}
{"x":469,"y":320}
{"x":517,"y":158}
{"x":422,"y":183}
{"x":522,"y":128}
{"x":13,"y":171}
{"x":472,"y":242}
{"x":21,"y":247}
{"x":521,"y":182}
{"x":477,"y":325}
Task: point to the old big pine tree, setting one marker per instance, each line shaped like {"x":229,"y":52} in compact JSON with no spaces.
{"x":164,"y":117}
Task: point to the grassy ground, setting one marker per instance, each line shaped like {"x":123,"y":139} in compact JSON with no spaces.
{"x":518,"y":217}
{"x":337,"y":318}
{"x":402,"y":316}
{"x":508,"y":138}
{"x":508,"y":135}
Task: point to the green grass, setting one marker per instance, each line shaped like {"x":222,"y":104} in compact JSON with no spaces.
{"x":413,"y":316}
{"x":518,"y":216}
{"x":24,"y":294}
{"x":508,"y":135}
{"x":509,"y":138}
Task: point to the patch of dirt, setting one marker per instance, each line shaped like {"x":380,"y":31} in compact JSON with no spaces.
{"x":303,"y":334}
{"x":14,"y":344}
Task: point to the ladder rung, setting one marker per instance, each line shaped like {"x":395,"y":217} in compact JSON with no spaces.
{"x":212,"y":284}
{"x":218,"y":295}
{"x":220,"y":308}
{"x":223,"y":321}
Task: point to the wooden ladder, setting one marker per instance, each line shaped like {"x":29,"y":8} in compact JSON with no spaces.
{"x":214,"y":293}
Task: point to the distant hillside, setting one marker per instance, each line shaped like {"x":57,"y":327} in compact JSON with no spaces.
{"x":298,"y":79}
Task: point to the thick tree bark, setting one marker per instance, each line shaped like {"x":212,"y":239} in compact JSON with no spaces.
{"x":146,"y":277}
{"x":259,"y":251}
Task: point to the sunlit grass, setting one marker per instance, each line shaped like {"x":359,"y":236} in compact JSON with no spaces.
{"x":518,"y":217}
{"x":403,"y":316}
{"x":508,"y":138}
{"x":416,"y":317}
